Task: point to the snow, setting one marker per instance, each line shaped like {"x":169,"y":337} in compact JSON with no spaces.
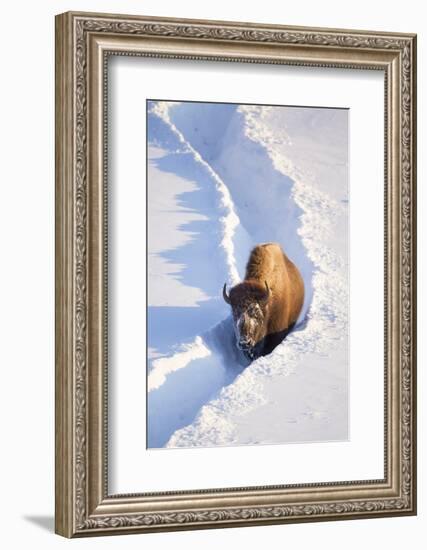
{"x":166,"y":212}
{"x":222,"y":178}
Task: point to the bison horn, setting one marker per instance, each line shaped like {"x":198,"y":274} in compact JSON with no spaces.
{"x":225,"y":295}
{"x":267,"y":293}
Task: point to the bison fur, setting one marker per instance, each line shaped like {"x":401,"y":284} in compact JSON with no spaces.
{"x":267,"y":303}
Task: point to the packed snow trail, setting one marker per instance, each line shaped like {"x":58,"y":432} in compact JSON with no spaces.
{"x":278,"y":175}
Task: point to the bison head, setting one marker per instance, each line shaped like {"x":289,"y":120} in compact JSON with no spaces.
{"x":249,"y":304}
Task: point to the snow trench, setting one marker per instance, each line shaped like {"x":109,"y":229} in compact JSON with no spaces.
{"x":251,"y":174}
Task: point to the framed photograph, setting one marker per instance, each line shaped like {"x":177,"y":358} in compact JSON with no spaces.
{"x":235,"y":274}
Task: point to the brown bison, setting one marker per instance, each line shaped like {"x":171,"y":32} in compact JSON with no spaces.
{"x":267,"y":303}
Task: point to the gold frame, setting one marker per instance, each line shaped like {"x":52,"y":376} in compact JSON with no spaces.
{"x":83,"y":505}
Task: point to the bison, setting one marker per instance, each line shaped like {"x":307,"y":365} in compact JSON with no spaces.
{"x":267,"y":303}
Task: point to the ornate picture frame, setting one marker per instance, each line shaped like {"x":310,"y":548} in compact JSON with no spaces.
{"x":84,"y":42}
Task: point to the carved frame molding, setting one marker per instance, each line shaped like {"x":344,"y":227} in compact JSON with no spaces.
{"x":83,"y":43}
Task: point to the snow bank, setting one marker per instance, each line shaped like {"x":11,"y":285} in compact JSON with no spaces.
{"x":229,"y":219}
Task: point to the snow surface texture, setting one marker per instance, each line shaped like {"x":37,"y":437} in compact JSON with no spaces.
{"x":221,"y":179}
